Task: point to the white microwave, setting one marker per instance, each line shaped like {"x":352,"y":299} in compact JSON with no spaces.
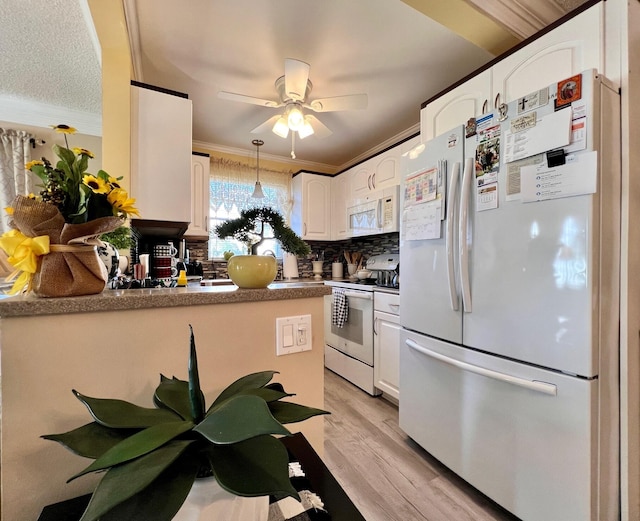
{"x":374,"y":213}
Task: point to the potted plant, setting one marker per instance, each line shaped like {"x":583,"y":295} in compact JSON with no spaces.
{"x":253,"y":270}
{"x":153,"y":456}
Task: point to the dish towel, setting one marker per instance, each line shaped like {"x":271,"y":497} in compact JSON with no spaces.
{"x":340,"y":308}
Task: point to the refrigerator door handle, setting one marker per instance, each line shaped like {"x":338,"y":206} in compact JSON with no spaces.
{"x":533,"y":385}
{"x":449,"y":238}
{"x":463,"y":224}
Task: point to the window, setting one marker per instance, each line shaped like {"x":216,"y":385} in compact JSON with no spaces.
{"x":230,"y":187}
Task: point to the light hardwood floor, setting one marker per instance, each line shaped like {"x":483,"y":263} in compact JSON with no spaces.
{"x":387,"y":475}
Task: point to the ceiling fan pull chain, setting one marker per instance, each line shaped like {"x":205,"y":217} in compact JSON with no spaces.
{"x":293,"y":145}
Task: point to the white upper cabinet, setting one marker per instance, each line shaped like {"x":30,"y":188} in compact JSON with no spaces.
{"x":569,"y":49}
{"x":339,"y":201}
{"x":311,"y":214}
{"x":199,"y":225}
{"x":362,"y":179}
{"x":161,"y":154}
{"x":387,"y":169}
{"x":456,"y":106}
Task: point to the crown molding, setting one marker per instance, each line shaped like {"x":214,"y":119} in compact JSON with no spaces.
{"x":312,"y":165}
{"x":298,"y":164}
{"x":42,"y":115}
{"x":133,"y":30}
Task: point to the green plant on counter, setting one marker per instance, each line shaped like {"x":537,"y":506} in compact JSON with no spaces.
{"x":120,"y":238}
{"x":250,"y":229}
{"x":152,"y":456}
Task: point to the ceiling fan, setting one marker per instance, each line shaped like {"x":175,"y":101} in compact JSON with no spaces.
{"x":293,"y":90}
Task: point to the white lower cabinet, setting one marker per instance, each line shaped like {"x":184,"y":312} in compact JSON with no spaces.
{"x":386,"y":344}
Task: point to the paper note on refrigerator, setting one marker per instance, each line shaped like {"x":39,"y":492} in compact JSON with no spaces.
{"x":422,"y":221}
{"x":526,"y":139}
{"x":577,"y":177}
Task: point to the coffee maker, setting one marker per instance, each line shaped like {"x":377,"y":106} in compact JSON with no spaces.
{"x":385,"y":269}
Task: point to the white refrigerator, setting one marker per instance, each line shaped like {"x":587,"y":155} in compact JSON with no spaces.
{"x":509,"y":251}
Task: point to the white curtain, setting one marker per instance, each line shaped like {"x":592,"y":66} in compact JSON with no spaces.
{"x":231,"y":185}
{"x":14,"y":178}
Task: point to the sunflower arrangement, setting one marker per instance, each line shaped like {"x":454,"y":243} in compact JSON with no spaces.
{"x":80,"y":196}
{"x":54,"y":235}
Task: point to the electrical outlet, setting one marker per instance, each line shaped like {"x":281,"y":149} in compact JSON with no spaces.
{"x":293,"y":334}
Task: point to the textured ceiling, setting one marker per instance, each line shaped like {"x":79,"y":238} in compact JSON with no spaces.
{"x":50,"y":71}
{"x":49,"y":58}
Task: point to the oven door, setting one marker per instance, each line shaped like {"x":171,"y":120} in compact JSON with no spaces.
{"x":355,"y":338}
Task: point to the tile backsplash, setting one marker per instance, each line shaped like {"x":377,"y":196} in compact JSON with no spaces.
{"x":332,"y":251}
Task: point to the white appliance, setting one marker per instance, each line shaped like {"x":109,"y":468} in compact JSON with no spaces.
{"x":349,"y":350}
{"x":374,"y":213}
{"x":509,"y":348}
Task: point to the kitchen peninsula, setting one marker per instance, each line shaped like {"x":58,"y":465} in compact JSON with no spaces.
{"x":115,"y":345}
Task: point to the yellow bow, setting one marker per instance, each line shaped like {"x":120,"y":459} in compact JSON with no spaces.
{"x":23,"y":254}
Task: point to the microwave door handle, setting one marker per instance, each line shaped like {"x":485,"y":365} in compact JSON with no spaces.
{"x":463,"y":226}
{"x":379,"y":214}
{"x":450,"y":234}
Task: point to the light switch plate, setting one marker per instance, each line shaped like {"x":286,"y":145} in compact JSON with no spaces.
{"x":293,"y":334}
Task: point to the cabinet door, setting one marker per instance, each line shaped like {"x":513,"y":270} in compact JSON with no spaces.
{"x":339,"y":197}
{"x":317,"y":207}
{"x":311,"y":213}
{"x":386,"y":353}
{"x":199,"y":225}
{"x":456,"y":106}
{"x":161,"y":155}
{"x":387,"y":171}
{"x":569,"y":49}
{"x":362,"y":179}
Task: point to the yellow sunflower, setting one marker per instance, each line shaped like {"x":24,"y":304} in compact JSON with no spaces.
{"x":120,"y":200}
{"x":114,"y":182}
{"x":64,"y":129}
{"x":97,"y":185}
{"x":33,"y":163}
{"x":82,"y":151}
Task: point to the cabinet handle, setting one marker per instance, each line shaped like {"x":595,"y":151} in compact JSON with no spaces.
{"x":304,"y":229}
{"x":206,"y":224}
{"x":373,"y":180}
{"x":369,"y":183}
{"x":485,"y":106}
{"x":375,"y":323}
{"x":496,"y":103}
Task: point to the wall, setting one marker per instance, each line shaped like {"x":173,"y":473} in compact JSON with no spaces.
{"x":121,"y":355}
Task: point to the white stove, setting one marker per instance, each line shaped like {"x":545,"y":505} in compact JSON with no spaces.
{"x":349,"y":345}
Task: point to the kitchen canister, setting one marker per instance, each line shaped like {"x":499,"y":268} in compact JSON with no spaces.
{"x":337,"y":270}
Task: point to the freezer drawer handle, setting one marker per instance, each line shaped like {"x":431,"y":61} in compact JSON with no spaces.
{"x":541,"y":387}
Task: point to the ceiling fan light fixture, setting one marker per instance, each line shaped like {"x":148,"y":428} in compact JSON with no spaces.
{"x":306,"y":129}
{"x":295,"y":118}
{"x":281,"y":128}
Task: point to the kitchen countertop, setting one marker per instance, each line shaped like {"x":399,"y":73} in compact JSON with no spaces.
{"x":193,"y":295}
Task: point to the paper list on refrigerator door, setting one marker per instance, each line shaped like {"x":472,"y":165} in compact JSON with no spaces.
{"x":526,"y":139}
{"x":422,"y":221}
{"x":578,"y":176}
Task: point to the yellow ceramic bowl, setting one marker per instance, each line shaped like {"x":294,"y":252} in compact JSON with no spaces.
{"x":252,"y":271}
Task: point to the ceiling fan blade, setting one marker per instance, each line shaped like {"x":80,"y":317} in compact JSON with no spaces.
{"x":296,"y":75}
{"x":267,"y":125}
{"x":319,"y":128}
{"x":248,"y":99}
{"x":349,"y":102}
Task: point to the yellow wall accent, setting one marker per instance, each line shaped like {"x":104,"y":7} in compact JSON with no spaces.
{"x":464,"y":20}
{"x":109,"y":20}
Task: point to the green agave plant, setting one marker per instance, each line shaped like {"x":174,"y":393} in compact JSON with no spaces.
{"x":152,"y":456}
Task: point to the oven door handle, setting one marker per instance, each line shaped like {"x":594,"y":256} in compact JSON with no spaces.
{"x":357,"y":294}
